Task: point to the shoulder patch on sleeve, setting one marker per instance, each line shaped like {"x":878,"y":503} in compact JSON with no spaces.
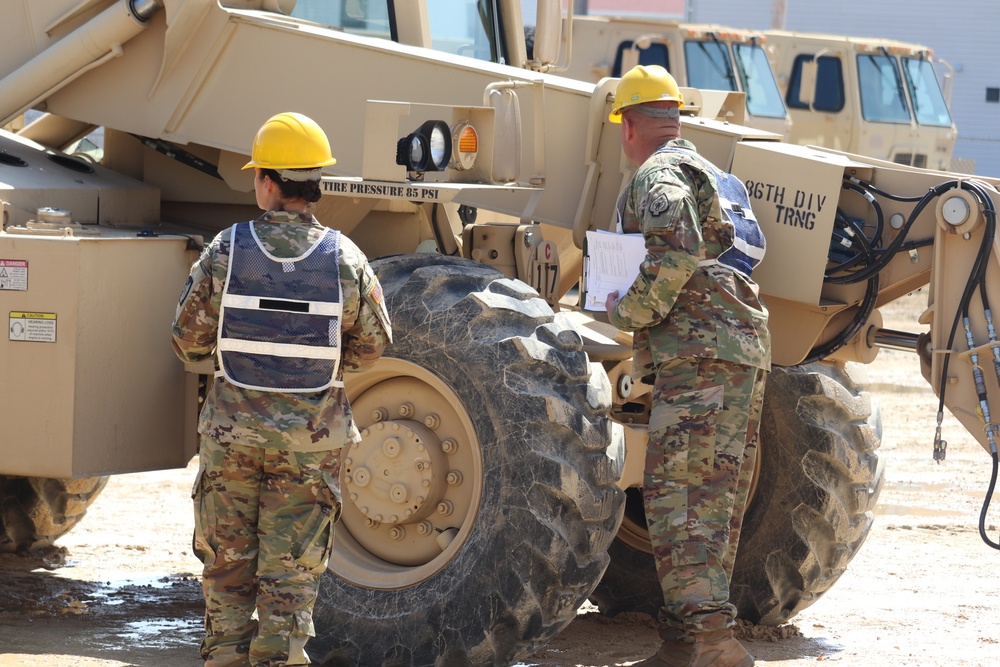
{"x":373,"y":295}
{"x":186,"y":291}
{"x":375,"y":292}
{"x":660,"y":204}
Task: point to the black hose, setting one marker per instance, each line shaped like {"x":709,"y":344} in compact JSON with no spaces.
{"x":976,"y":281}
{"x":841,"y":339}
{"x":886,"y":255}
{"x":986,"y":505}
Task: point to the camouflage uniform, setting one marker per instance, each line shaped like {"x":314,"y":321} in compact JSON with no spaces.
{"x":701,"y":339}
{"x":267,"y":492}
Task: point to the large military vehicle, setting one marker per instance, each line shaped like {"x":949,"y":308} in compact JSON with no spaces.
{"x":877,"y":97}
{"x":698,"y":55}
{"x":495,"y":489}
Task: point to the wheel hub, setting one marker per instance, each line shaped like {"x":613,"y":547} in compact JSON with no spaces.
{"x":410,"y":487}
{"x":396,"y":475}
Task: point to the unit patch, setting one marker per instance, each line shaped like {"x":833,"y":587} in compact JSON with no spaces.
{"x":659,"y":205}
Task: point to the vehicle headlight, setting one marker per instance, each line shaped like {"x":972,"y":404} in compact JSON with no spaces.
{"x":427,"y":149}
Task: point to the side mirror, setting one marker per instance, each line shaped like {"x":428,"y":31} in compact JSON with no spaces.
{"x":548,"y":31}
{"x":631,"y":56}
{"x":807,"y":82}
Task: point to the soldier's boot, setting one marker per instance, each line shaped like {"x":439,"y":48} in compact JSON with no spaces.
{"x":712,"y":649}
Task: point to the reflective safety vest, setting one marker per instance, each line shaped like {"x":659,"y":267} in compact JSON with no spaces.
{"x":748,"y":239}
{"x":280,"y":320}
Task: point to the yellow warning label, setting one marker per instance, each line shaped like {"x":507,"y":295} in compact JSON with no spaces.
{"x":33,"y":316}
{"x":31,"y":327}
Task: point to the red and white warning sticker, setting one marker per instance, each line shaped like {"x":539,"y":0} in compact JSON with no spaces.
{"x":13,"y":274}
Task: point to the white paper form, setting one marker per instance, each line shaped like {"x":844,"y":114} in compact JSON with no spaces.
{"x":613,"y":262}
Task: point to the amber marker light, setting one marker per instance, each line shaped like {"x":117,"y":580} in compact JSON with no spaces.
{"x":465,"y":145}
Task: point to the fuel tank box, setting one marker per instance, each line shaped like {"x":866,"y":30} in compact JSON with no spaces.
{"x":89,"y":383}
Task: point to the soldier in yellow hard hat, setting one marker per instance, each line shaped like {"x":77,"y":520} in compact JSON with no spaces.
{"x":285,"y":305}
{"x":645,"y":84}
{"x":701,"y":340}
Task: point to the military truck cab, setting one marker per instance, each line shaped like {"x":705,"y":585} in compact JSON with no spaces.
{"x":708,"y":57}
{"x":876,"y":97}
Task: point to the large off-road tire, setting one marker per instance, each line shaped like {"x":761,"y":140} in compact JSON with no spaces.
{"x":485,"y":423}
{"x":35,"y":511}
{"x":817,"y":481}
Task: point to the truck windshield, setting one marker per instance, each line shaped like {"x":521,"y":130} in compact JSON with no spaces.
{"x":882,"y":98}
{"x":359,"y":17}
{"x":763,"y":98}
{"x":708,"y":65}
{"x":463,"y":27}
{"x":928,"y":102}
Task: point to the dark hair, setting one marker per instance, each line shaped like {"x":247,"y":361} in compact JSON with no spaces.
{"x":308,"y":190}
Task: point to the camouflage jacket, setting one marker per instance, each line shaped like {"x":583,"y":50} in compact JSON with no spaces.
{"x":676,"y":307}
{"x":299,"y":422}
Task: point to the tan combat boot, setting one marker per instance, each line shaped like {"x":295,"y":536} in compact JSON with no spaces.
{"x":713,"y":649}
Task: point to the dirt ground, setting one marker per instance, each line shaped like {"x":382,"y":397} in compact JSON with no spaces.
{"x":123,"y":588}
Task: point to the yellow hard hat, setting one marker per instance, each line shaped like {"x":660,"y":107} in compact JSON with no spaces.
{"x":290,"y":141}
{"x":641,"y":84}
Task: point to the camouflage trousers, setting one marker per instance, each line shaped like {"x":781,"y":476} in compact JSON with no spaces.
{"x":264,"y":523}
{"x":703,"y":434}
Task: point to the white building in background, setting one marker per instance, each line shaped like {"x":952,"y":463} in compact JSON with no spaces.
{"x":961,"y":32}
{"x":669,"y":9}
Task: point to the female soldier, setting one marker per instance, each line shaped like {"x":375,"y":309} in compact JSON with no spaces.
{"x":285,"y":305}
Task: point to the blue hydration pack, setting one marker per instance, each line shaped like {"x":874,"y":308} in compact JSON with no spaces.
{"x":748,"y":240}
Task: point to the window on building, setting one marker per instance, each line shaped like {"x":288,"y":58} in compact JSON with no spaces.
{"x":993,"y":94}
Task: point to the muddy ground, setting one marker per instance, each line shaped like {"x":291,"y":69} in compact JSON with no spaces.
{"x":123,"y":588}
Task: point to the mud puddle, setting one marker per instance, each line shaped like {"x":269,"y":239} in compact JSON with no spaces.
{"x":127,"y":616}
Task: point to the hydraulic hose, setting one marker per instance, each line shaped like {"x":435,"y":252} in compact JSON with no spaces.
{"x":986,"y":505}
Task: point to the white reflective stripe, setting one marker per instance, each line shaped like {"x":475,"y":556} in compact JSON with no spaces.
{"x":744,"y":211}
{"x":278,"y":349}
{"x":751,"y":251}
{"x":253,"y":303}
{"x":339,"y":384}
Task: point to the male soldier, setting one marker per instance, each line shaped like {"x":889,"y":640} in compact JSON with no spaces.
{"x":287,"y":305}
{"x":701,"y":340}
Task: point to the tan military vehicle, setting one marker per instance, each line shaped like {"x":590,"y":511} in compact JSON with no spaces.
{"x":496,"y":486}
{"x":702,"y":56}
{"x":876,"y":97}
